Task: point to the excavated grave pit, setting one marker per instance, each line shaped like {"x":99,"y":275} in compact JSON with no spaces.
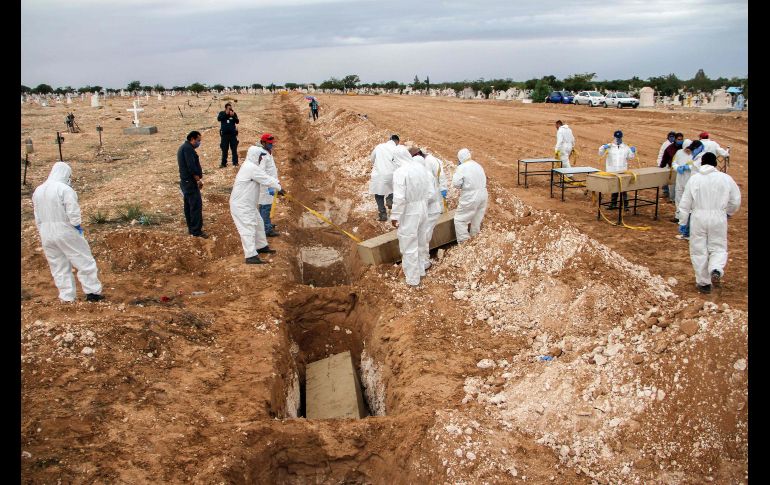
{"x":321,"y":324}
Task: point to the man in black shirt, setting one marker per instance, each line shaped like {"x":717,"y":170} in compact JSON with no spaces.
{"x":190,"y":175}
{"x":229,"y":134}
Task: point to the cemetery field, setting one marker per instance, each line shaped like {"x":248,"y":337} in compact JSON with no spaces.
{"x":552,"y":348}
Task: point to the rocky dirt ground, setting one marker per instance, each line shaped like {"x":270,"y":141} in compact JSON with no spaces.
{"x":191,"y":370}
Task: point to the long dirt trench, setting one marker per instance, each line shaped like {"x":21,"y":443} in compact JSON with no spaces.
{"x":406,"y":373}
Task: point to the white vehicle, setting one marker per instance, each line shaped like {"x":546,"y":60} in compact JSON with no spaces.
{"x":590,"y":98}
{"x":619,"y":100}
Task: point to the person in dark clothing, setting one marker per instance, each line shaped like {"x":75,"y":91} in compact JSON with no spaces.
{"x":667,"y":159}
{"x":314,"y":108}
{"x":670,"y":151}
{"x":190,"y":183}
{"x":229,"y":134}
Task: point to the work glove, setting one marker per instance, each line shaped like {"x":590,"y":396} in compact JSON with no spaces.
{"x":680,"y":169}
{"x":687,"y":168}
{"x":556,"y":154}
{"x":281,"y":192}
{"x":443,"y":193}
{"x":684,"y":230}
{"x":606,"y":146}
{"x":79,"y":229}
{"x":633,"y":149}
{"x":271,"y":191}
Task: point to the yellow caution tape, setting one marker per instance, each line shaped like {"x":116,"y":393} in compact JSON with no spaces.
{"x":438,"y":173}
{"x":620,"y":201}
{"x":272,"y":207}
{"x":323,"y":218}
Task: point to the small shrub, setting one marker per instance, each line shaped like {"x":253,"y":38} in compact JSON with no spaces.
{"x":98,"y":218}
{"x":129,"y":212}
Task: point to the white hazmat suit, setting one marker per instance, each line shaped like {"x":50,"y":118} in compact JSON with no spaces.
{"x":617,"y":157}
{"x":264,"y":159}
{"x":565,"y":142}
{"x":709,"y":197}
{"x":472,"y":182}
{"x":710,"y":146}
{"x":250,"y":183}
{"x":436,"y":205}
{"x":412,"y":192}
{"x":661,"y":151}
{"x":681,"y":159}
{"x":384,"y":166}
{"x":56,"y":214}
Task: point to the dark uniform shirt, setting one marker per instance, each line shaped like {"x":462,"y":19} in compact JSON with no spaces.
{"x":228,"y":123}
{"x":189,"y":163}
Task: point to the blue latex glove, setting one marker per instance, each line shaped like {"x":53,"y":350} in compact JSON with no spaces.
{"x":79,"y":229}
{"x":271,"y":191}
{"x":443,"y":193}
{"x":680,"y":169}
{"x":633,"y":149}
{"x":684,"y":230}
{"x":687,"y":168}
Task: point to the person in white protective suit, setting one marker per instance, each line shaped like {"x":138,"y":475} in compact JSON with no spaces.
{"x":710,"y":146}
{"x":618,"y":155}
{"x":436,"y":205}
{"x":565,"y":142}
{"x":250,"y":182}
{"x":684,"y":166}
{"x":472,"y":182}
{"x":381,"y":183}
{"x":710,"y":197}
{"x":412,"y":192}
{"x":262,"y":155}
{"x":57,"y":217}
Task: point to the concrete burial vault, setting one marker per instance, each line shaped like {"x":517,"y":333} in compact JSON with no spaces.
{"x":332,"y":389}
{"x":384,"y":248}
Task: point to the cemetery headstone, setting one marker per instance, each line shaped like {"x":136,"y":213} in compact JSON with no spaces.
{"x":136,"y":129}
{"x":646,"y":97}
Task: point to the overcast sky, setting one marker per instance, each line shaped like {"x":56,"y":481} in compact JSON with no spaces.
{"x":178,"y":42}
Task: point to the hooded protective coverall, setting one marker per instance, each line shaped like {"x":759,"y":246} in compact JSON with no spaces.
{"x":617,"y":161}
{"x":249,"y":184}
{"x":565,"y":141}
{"x":683,"y":159}
{"x":472,"y":182}
{"x":436,"y":205}
{"x":260,"y":156}
{"x":709,"y":197}
{"x":710,"y":146}
{"x":412,"y":192}
{"x":381,"y":184}
{"x":56,"y":214}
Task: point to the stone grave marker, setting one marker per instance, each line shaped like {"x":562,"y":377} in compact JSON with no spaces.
{"x":136,"y":129}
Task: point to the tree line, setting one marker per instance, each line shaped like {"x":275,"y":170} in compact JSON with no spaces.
{"x":663,"y":85}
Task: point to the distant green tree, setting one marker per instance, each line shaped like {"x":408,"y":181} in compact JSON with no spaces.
{"x":25,"y":89}
{"x":541,"y":90}
{"x":179,"y":88}
{"x":427,"y":83}
{"x":350,"y":81}
{"x":332,"y":83}
{"x":42,"y":89}
{"x":416,"y":84}
{"x":256,"y":86}
{"x":159,"y":87}
{"x":579,"y":82}
{"x":196,"y":88}
{"x":217,"y":87}
{"x":291,"y":86}
{"x":391,"y":85}
{"x":134,"y":86}
{"x":665,"y":85}
{"x":530,"y":83}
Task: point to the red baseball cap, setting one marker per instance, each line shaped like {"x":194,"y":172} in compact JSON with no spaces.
{"x":267,"y":138}
{"x":703,"y":135}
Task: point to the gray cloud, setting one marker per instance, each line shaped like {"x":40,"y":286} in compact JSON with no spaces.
{"x":82,"y":41}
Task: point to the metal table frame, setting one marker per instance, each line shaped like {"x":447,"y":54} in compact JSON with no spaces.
{"x":637,"y":203}
{"x":569,"y":185}
{"x":527,"y":173}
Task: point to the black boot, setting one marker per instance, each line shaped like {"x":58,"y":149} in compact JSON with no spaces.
{"x":254,"y":260}
{"x":266,"y":250}
{"x":94,"y":297}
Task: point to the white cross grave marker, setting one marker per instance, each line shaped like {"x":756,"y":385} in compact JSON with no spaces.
{"x":136,"y":109}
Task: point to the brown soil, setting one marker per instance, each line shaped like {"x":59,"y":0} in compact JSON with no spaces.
{"x":647,"y":382}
